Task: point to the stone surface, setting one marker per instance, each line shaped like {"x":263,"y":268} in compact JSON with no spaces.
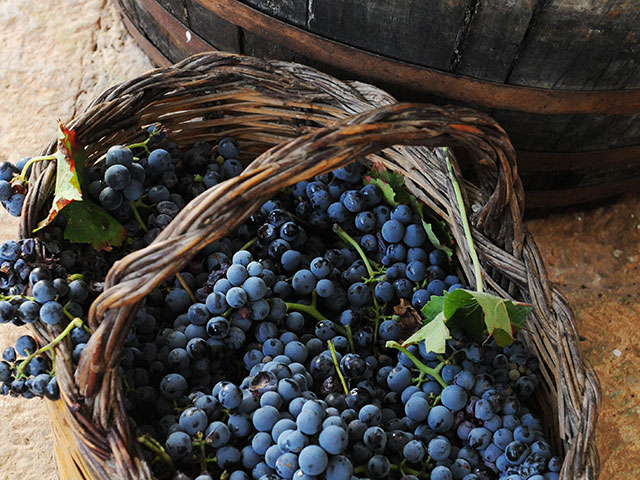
{"x":57,"y":55}
{"x":54,"y":58}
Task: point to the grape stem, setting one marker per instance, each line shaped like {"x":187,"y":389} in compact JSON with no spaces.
{"x":249,"y":244}
{"x":345,"y":237}
{"x":23,"y":174}
{"x":424,"y":369}
{"x":308,"y":309}
{"x":186,"y":288}
{"x":154,"y":446}
{"x":200,"y":443}
{"x":76,"y":322}
{"x":136,"y":215}
{"x":332,"y":349}
{"x":465,"y":223}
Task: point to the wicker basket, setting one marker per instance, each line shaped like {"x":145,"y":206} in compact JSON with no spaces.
{"x":265,"y":104}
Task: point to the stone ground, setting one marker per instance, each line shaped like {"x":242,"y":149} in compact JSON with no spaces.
{"x":57,"y":55}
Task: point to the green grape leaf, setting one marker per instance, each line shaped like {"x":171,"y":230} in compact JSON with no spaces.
{"x":388,"y":194}
{"x":391,"y":184}
{"x":69,"y":173}
{"x":429,"y":230}
{"x":86,"y":221}
{"x":89,"y":223}
{"x":434,"y":334}
{"x":501,"y":317}
{"x":433,"y":307}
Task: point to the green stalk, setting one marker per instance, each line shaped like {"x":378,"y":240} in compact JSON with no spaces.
{"x":249,"y":244}
{"x":23,"y":174}
{"x":76,"y":322}
{"x":350,"y":338}
{"x":152,"y":444}
{"x":424,"y":369}
{"x":308,"y":309}
{"x":344,"y":236}
{"x":136,"y":215}
{"x":465,"y":223}
{"x":332,"y":348}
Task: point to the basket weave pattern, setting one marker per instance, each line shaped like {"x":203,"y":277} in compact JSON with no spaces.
{"x":301,"y":123}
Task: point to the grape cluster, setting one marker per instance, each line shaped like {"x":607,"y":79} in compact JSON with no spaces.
{"x":12,"y":192}
{"x":265,"y":357}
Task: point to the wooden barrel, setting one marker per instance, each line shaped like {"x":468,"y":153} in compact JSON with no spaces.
{"x":561,"y":76}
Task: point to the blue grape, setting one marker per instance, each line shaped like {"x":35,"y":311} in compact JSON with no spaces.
{"x":439,"y":448}
{"x":392,"y":231}
{"x":416,"y":271}
{"x":227,"y":457}
{"x":403,"y":288}
{"x":309,"y":422}
{"x":358,"y":294}
{"x":353,"y":201}
{"x":264,"y":418}
{"x":255,"y":288}
{"x":14,"y":204}
{"x":228,"y":148}
{"x":399,"y":378}
{"x":440,"y":419}
{"x":231,"y":168}
{"x":365,"y":221}
{"x":453,"y":397}
{"x":26,"y":345}
{"x":339,"y":468}
{"x":119,"y":155}
{"x":390,"y":330}
{"x":117,"y":177}
{"x":414,"y":236}
{"x":372,"y":195}
{"x":379,"y":466}
{"x":417,"y":408}
{"x":479,"y":438}
{"x":236,"y":297}
{"x":6,"y":190}
{"x":402,"y":213}
{"x":261,"y":442}
{"x":333,"y":439}
{"x":178,"y":445}
{"x":439,"y":258}
{"x":384,"y":292}
{"x":44,"y":291}
{"x":313,"y":460}
{"x":286,"y":465}
{"x":216,"y":303}
{"x":193,"y":420}
{"x":303,"y":282}
{"x":29,"y":311}
{"x":420,"y":298}
{"x":441,"y":473}
{"x":159,"y":160}
{"x":414,"y":451}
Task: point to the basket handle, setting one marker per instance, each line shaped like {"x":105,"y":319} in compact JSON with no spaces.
{"x":222,"y":208}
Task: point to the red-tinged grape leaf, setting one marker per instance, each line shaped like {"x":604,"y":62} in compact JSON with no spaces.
{"x":89,"y":223}
{"x":501,"y":317}
{"x":69,"y":173}
{"x":434,"y":334}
